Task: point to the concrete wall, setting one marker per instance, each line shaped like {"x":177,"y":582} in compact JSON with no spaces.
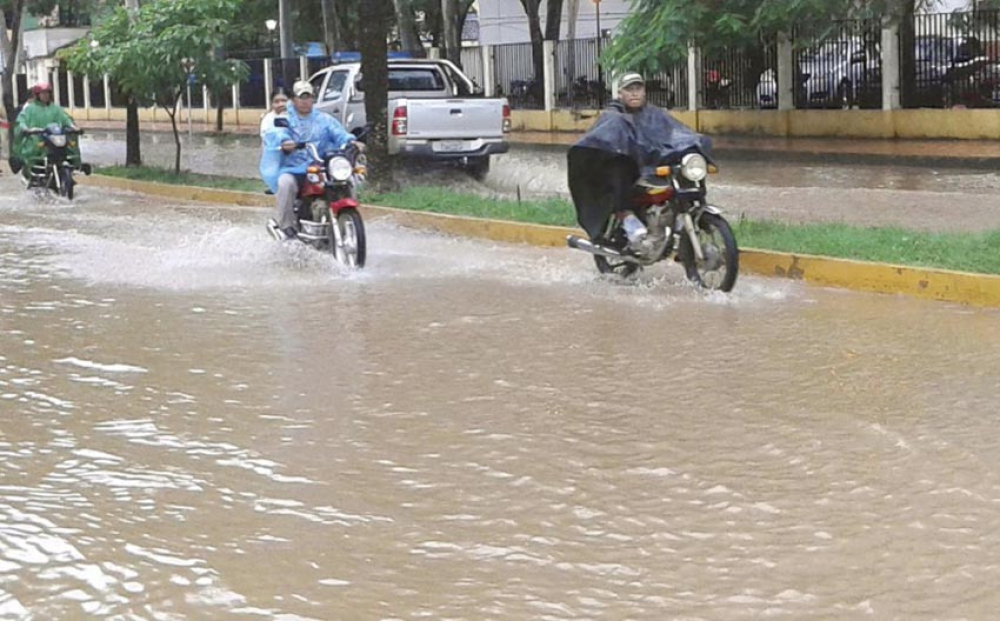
{"x":902,"y":124}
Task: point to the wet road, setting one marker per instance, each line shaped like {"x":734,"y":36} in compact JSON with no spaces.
{"x":946,"y":198}
{"x":197,"y":423}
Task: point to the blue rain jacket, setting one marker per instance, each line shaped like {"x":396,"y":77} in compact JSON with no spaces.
{"x":317,"y":127}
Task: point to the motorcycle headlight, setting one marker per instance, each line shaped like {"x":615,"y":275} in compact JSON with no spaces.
{"x":58,"y":141}
{"x":694,"y":167}
{"x":340,"y":169}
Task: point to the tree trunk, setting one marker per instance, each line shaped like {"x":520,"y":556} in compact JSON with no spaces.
{"x":409,"y":36}
{"x":907,"y":47}
{"x":12,"y":44}
{"x":133,"y":152}
{"x":452,"y":37}
{"x":374,"y":19}
{"x":537,"y":50}
{"x":573,"y":10}
{"x":553,"y":20}
{"x":172,"y":113}
{"x":331,"y":27}
{"x":219,"y":115}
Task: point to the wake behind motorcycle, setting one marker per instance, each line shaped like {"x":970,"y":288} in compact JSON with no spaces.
{"x":62,"y":157}
{"x":682,"y":226}
{"x":327,"y":205}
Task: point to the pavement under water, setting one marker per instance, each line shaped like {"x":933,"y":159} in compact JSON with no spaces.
{"x":927,"y":198}
{"x":196,"y":422}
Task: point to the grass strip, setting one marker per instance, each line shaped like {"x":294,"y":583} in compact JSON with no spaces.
{"x":969,"y":252}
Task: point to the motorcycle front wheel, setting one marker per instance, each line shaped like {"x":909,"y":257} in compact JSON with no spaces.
{"x":347,"y":238}
{"x":67,"y":188}
{"x":721,"y":263}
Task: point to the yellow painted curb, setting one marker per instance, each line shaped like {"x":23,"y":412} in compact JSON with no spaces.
{"x":932,"y":284}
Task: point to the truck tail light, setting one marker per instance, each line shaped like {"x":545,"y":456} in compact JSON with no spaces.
{"x":506,"y":119}
{"x":399,"y":119}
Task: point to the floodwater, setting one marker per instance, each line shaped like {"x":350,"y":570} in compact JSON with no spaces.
{"x":947,"y":198}
{"x":198,"y":423}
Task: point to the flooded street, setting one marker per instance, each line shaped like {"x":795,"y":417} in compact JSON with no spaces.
{"x":947,"y":198}
{"x":199,"y":423}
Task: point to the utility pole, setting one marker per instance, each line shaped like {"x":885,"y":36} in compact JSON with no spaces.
{"x":285,"y":25}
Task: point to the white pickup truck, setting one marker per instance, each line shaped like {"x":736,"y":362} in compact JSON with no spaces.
{"x":434,"y":111}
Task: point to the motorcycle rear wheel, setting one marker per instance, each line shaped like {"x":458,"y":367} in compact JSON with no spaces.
{"x":718,"y":271}
{"x":623,"y":269}
{"x":347,"y":238}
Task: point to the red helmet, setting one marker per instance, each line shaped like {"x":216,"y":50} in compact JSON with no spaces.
{"x":41,"y":87}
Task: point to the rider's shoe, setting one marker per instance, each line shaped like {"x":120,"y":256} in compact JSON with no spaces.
{"x":290,"y":232}
{"x":635,"y":230}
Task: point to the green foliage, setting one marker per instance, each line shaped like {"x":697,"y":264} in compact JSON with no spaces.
{"x":656,"y":33}
{"x":145,"y":56}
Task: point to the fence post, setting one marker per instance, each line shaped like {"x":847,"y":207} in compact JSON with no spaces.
{"x":268,"y":81}
{"x":86,"y":94}
{"x":236,"y":102}
{"x":107,"y":96}
{"x":304,"y":69}
{"x":489,"y":77}
{"x":786,"y":73}
{"x":56,"y":88}
{"x":17,"y":95}
{"x":694,"y":77}
{"x":205,"y":104}
{"x":891,"y":99}
{"x":72,"y":91}
{"x":549,"y":74}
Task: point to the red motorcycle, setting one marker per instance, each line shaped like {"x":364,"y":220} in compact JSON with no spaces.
{"x":327,"y":205}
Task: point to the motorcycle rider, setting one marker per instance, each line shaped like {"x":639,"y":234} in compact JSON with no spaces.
{"x":631,"y":101}
{"x":39,"y":113}
{"x":283,"y":166}
{"x":279,"y":107}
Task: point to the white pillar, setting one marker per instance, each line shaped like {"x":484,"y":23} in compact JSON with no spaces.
{"x":434,"y":53}
{"x":785,"y":74}
{"x":489,"y":77}
{"x":891,"y":97}
{"x":53,"y":79}
{"x":694,"y":77}
{"x":107,"y":95}
{"x":72,"y":91}
{"x":86,"y":94}
{"x":549,"y":74}
{"x":304,"y":68}
{"x":17,"y":95}
{"x":268,"y":81}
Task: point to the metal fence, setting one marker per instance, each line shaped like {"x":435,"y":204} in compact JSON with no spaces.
{"x":472,"y":65}
{"x":842,"y":70}
{"x":514,"y":71}
{"x":954,"y":60}
{"x":580,"y":82}
{"x":740,"y":77}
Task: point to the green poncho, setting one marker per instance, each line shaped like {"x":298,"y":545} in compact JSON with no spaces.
{"x":38,"y":116}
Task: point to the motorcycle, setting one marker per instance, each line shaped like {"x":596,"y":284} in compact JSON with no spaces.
{"x":327,"y":205}
{"x":62,"y":157}
{"x":682,"y":227}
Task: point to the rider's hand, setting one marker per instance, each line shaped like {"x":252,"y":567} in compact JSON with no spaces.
{"x":288,"y":146}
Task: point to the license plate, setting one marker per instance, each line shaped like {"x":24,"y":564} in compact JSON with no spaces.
{"x":450,"y":146}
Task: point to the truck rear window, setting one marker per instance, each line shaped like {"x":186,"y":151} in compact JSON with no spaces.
{"x":415,"y":80}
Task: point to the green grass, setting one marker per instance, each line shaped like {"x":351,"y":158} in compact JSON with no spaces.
{"x":971,"y":252}
{"x":163,"y":175}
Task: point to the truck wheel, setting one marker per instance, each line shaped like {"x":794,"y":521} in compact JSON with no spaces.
{"x":479,"y":167}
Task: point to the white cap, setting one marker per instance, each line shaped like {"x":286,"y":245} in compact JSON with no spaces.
{"x":629,"y":79}
{"x":302,"y":88}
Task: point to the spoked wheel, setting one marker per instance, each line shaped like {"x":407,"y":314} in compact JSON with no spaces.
{"x":721,"y":263}
{"x":67,"y":188}
{"x":347,"y":238}
{"x":623,"y":269}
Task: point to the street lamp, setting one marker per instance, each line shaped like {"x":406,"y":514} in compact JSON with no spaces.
{"x":272,"y":25}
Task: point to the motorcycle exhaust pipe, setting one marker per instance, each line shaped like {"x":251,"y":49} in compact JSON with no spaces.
{"x":582,"y":244}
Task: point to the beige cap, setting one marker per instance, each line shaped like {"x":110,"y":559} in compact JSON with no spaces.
{"x":303,"y":88}
{"x":631,"y":78}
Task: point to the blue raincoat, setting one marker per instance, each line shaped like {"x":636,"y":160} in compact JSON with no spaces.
{"x":317,"y":127}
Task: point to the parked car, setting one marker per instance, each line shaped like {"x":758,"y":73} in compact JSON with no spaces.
{"x":841,"y":73}
{"x":435,"y":111}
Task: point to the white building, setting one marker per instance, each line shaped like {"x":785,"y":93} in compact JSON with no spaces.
{"x":504,"y":21}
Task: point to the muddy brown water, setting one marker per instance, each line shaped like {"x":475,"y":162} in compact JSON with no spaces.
{"x":946,"y":198}
{"x":198,"y":423}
